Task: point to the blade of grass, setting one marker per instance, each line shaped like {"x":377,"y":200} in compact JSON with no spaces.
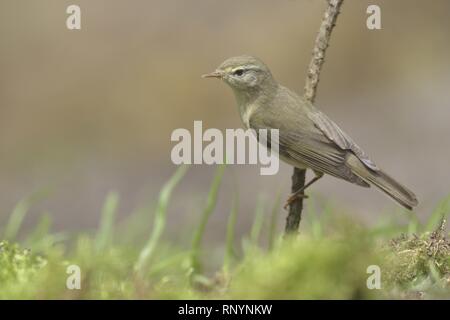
{"x":42,"y":228}
{"x":434,"y":272}
{"x":20,"y":211}
{"x":258,"y":222}
{"x":41,"y":238}
{"x":414,"y":224}
{"x":105,"y":232}
{"x":251,"y":242}
{"x":316,"y":224}
{"x":134,"y":229}
{"x":173,"y":260}
{"x":441,"y":212}
{"x":160,"y":218}
{"x":230,"y":254}
{"x":210,"y":205}
{"x":41,"y":231}
{"x":328,"y":211}
{"x":273,"y":221}
{"x":16,"y":218}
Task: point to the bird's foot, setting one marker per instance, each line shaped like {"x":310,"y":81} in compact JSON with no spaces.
{"x":293,"y":197}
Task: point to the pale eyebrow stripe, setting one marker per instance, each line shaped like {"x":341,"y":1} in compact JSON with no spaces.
{"x":246,"y":67}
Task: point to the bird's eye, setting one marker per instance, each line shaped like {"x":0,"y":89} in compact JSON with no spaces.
{"x":238,"y":72}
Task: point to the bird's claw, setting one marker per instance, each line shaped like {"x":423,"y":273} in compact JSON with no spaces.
{"x":293,"y":198}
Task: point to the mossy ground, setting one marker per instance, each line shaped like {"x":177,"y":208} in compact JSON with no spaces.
{"x":329,"y":260}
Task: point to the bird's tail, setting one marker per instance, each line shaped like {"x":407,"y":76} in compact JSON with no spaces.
{"x":382,"y":181}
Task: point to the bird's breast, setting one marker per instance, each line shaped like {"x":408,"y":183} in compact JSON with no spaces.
{"x":246,"y":114}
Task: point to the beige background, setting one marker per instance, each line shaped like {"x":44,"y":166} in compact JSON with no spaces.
{"x":86,"y":112}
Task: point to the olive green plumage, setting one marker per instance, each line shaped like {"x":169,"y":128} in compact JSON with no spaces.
{"x":307,"y":137}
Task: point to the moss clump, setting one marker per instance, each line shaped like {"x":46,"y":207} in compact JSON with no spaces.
{"x":307,"y":269}
{"x":17,"y":266}
{"x":419,"y":263}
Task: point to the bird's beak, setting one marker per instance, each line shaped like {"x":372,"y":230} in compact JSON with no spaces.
{"x":215,"y":74}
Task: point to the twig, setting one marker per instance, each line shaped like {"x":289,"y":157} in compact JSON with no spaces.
{"x":312,"y":80}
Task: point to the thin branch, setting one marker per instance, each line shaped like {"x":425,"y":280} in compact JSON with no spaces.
{"x":312,"y":80}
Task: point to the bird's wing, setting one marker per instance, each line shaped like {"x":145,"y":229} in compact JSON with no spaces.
{"x":339,"y":137}
{"x":306,"y":145}
{"x":318,"y":155}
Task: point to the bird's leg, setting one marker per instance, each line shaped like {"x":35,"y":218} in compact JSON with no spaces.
{"x":299,"y":193}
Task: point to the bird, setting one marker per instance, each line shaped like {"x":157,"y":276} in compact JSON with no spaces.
{"x":308,"y":138}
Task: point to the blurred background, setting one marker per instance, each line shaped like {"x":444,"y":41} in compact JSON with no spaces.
{"x":86,"y":112}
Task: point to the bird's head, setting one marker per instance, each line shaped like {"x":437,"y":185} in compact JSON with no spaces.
{"x":244,"y":74}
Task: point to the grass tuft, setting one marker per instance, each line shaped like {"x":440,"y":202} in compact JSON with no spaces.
{"x":329,"y":259}
{"x":211,"y":201}
{"x":230,"y":253}
{"x":160,"y":218}
{"x":105,"y":232}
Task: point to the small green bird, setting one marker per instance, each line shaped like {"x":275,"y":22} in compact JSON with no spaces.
{"x":307,"y":137}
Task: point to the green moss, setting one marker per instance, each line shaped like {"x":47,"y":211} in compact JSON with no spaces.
{"x":306,"y":269}
{"x":329,"y":260}
{"x":18,"y":268}
{"x":419,"y":262}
